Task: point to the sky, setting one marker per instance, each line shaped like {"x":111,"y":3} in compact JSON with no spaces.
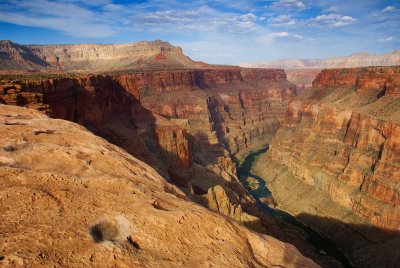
{"x":219,"y":31}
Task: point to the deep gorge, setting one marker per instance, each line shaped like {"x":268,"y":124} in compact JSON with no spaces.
{"x":193,"y":126}
{"x":260,"y":191}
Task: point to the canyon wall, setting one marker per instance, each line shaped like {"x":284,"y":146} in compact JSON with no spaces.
{"x":187,"y":124}
{"x":92,"y":57}
{"x":302,"y":72}
{"x":70,"y":198}
{"x":335,"y":162}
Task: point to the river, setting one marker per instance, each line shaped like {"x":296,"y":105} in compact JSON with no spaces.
{"x":321,"y":243}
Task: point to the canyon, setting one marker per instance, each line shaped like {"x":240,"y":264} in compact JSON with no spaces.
{"x":334,"y":163}
{"x":174,"y":132}
{"x":176,"y":121}
{"x":70,"y":198}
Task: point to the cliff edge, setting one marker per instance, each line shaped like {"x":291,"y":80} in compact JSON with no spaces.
{"x":69,"y":198}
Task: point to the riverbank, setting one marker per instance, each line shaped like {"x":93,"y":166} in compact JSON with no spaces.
{"x":322,"y":244}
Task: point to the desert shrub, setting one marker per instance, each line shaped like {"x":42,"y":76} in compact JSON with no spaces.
{"x":105,"y":230}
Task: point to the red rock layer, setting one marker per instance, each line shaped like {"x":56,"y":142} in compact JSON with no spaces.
{"x":168,"y":118}
{"x":92,"y":57}
{"x":358,"y":155}
{"x":338,"y":151}
{"x":385,"y":79}
{"x":71,"y":199}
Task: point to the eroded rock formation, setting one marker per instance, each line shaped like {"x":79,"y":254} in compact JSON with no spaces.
{"x":216,"y":199}
{"x":302,"y":72}
{"x":335,"y":161}
{"x":186,"y":124}
{"x":92,"y":57}
{"x":70,"y":198}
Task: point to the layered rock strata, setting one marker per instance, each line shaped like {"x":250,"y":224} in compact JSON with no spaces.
{"x":70,"y":198}
{"x":92,"y":57}
{"x":335,"y":162}
{"x":302,"y":72}
{"x":186,"y":124}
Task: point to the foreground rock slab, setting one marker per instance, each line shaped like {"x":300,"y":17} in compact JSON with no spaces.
{"x":69,"y":198}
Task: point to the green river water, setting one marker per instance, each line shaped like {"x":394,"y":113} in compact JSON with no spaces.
{"x":321,"y":243}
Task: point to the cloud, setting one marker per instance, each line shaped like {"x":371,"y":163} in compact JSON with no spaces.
{"x":204,"y":19}
{"x":335,"y":20}
{"x":331,"y":10}
{"x":279,"y":36}
{"x":288,"y":4}
{"x":387,"y":39}
{"x":82,"y":19}
{"x":67,"y":17}
{"x":87,"y":3}
{"x":70,"y":27}
{"x":389,"y":9}
{"x":285,"y":34}
{"x":166,"y":17}
{"x":219,"y":31}
{"x":239,"y":5}
{"x":282,"y":20}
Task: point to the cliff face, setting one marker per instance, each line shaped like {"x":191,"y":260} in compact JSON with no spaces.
{"x":303,"y":72}
{"x":176,"y":121}
{"x":384,"y":80}
{"x":69,"y":198}
{"x":338,"y":151}
{"x":92,"y":57}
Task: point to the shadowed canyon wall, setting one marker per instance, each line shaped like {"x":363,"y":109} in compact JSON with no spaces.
{"x":176,"y":121}
{"x":334,"y":152}
{"x":69,"y":198}
{"x":337,"y":155}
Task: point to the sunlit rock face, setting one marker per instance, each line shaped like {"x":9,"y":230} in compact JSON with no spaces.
{"x":335,"y":161}
{"x":188,"y":124}
{"x":70,"y":198}
{"x":302,"y":72}
{"x":92,"y":57}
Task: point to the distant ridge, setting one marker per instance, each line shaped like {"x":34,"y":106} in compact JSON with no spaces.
{"x":359,"y":59}
{"x":92,"y":57}
{"x":302,"y":72}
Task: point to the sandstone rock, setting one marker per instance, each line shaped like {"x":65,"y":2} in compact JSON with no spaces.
{"x":337,"y":157}
{"x":303,"y":72}
{"x":64,"y":181}
{"x":252,"y":183}
{"x":186,"y":124}
{"x":380,"y":80}
{"x":92,"y":57}
{"x":216,"y":199}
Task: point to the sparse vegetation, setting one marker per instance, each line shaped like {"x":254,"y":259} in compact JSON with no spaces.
{"x":105,"y":230}
{"x":9,"y":148}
